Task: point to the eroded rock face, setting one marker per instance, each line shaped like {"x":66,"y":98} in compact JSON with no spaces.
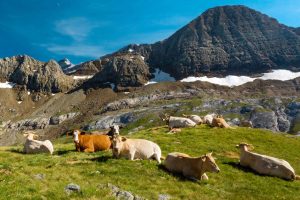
{"x":35,"y":75}
{"x":88,"y":68}
{"x":123,"y":70}
{"x":225,"y":40}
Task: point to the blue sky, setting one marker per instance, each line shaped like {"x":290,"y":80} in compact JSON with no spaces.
{"x":82,"y":30}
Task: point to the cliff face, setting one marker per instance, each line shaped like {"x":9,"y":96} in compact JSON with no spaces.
{"x":225,"y":40}
{"x":122,"y":70}
{"x":35,"y":75}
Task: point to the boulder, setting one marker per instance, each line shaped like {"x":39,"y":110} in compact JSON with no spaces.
{"x":267,"y":119}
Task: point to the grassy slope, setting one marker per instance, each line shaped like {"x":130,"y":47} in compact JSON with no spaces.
{"x":146,"y":178}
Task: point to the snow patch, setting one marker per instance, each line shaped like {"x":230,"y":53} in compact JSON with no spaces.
{"x":52,"y":94}
{"x":81,"y":77}
{"x":160,"y":76}
{"x":19,"y":102}
{"x":130,"y":50}
{"x":28,"y":93}
{"x":142,"y":57}
{"x":7,"y":85}
{"x":281,"y":74}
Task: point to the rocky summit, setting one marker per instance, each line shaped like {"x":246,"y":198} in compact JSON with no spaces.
{"x":225,"y":40}
{"x":35,"y":75}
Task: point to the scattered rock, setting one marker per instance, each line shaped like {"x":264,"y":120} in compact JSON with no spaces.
{"x":164,"y":197}
{"x":120,"y":194}
{"x":61,"y":118}
{"x":39,"y":176}
{"x":70,"y":188}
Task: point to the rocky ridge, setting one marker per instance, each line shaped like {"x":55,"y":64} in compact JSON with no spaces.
{"x":35,"y":75}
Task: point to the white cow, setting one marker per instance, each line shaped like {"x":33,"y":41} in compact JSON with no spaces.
{"x":207,"y":119}
{"x":178,"y":122}
{"x":266,"y":165}
{"x":195,"y":118}
{"x":35,"y":146}
{"x":135,"y":149}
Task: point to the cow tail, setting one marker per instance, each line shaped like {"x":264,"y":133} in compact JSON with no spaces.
{"x":297,"y":177}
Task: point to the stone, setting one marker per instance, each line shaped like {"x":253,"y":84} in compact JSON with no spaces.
{"x":70,"y":188}
{"x":164,"y":197}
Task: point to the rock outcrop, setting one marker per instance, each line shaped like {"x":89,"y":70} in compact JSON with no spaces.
{"x":122,"y":70}
{"x":225,"y":40}
{"x":35,"y":75}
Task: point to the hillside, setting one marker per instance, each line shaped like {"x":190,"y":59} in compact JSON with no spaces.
{"x":45,"y":176}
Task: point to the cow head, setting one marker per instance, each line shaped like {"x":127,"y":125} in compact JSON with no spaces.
{"x":76,"y":134}
{"x":165,"y":118}
{"x":114,"y":130}
{"x":209,"y":163}
{"x":30,"y":135}
{"x":117,"y":143}
{"x":245,"y":146}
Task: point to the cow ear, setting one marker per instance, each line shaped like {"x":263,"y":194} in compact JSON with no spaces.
{"x":124,"y":139}
{"x":203,"y":158}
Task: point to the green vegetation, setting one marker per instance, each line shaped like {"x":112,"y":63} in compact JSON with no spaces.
{"x":146,"y":178}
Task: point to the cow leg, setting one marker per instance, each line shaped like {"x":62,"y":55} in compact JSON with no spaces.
{"x":89,"y":150}
{"x":157,"y":157}
{"x":204,"y":177}
{"x":131,"y":155}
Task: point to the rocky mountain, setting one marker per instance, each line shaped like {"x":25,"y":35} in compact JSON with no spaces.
{"x":66,"y":66}
{"x":35,"y":75}
{"x":225,"y":40}
{"x":88,"y":68}
{"x":122,"y":70}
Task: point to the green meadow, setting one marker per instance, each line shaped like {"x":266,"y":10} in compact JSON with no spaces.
{"x":146,"y":178}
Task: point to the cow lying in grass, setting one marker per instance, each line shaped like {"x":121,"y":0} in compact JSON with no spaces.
{"x":91,"y":143}
{"x":193,"y":168}
{"x":266,"y":165}
{"x":135,"y":149}
{"x":195,"y":118}
{"x":219,"y":122}
{"x":35,"y":146}
{"x":178,"y":122}
{"x":207,"y":119}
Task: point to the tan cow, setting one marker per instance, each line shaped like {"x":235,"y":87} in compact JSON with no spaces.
{"x":91,"y":143}
{"x":135,"y":149}
{"x":266,"y":165}
{"x":220,"y":122}
{"x":193,"y":168}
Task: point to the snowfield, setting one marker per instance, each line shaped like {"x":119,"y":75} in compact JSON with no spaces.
{"x":7,"y":85}
{"x":81,"y":77}
{"x":230,"y":81}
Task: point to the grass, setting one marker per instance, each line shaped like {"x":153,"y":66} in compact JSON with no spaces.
{"x":146,"y":178}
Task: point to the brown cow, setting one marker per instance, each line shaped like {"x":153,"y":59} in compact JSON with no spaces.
{"x":193,"y":168}
{"x":91,"y":143}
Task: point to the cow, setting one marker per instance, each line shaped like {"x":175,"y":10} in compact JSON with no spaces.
{"x":207,"y":119}
{"x":220,"y":122}
{"x":135,"y":149}
{"x":91,"y":143}
{"x":195,"y":118}
{"x":32,"y":145}
{"x":178,"y":122}
{"x":193,"y":168}
{"x":266,"y":165}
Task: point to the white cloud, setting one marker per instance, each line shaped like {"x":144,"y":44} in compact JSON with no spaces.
{"x":76,"y":28}
{"x":76,"y":50}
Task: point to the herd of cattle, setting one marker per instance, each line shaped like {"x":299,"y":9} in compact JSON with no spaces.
{"x":193,"y":168}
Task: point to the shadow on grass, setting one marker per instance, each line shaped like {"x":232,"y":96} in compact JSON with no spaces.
{"x":63,"y":152}
{"x":237,"y":165}
{"x":19,"y":151}
{"x":103,"y":158}
{"x":179,"y":176}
